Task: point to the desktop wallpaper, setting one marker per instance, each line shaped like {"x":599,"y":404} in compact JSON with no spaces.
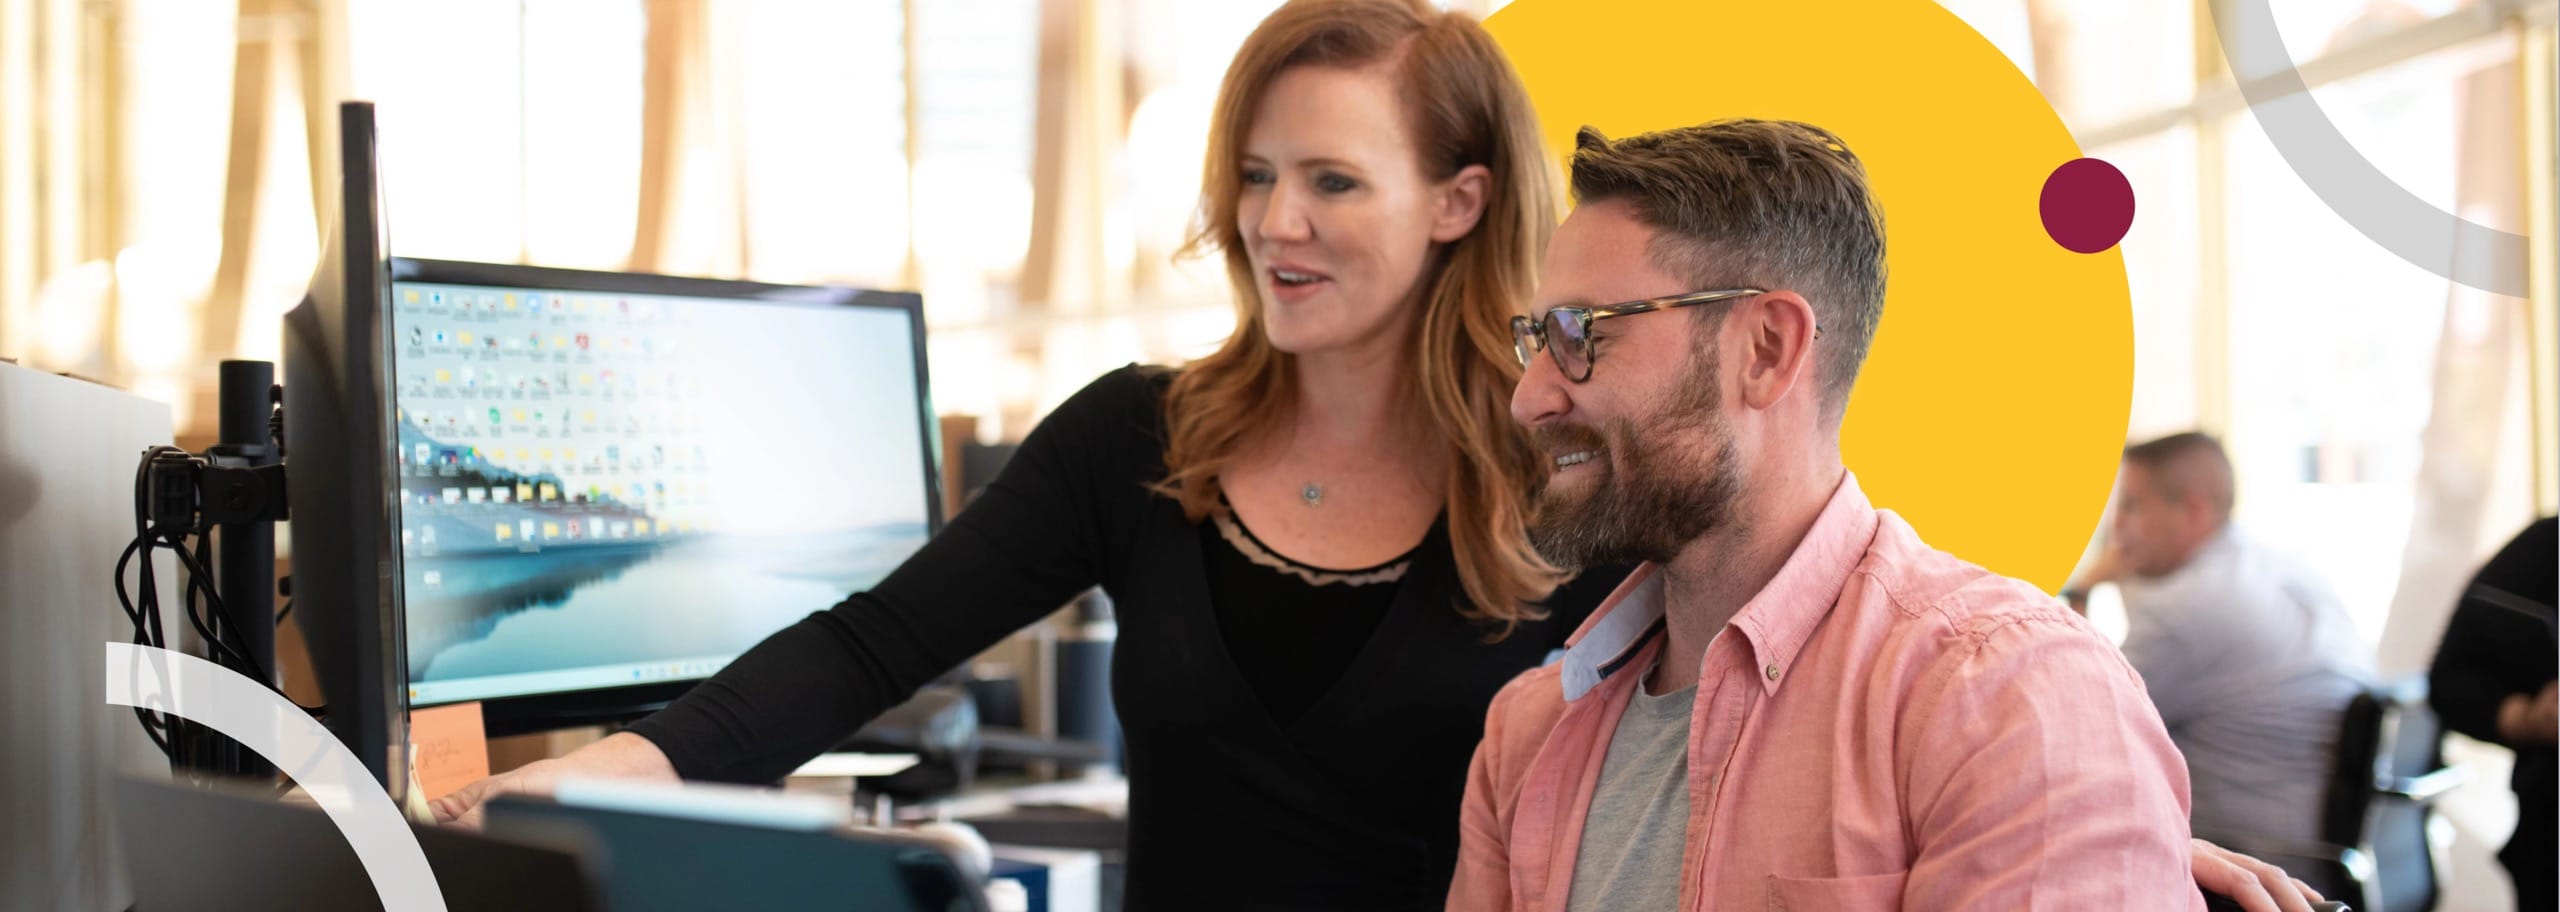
{"x":602,"y":489}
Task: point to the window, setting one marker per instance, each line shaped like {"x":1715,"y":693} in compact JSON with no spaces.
{"x":824,"y":154}
{"x":2334,"y":339}
{"x":2161,"y":255}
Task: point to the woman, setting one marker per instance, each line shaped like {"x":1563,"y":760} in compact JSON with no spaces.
{"x":1314,"y":538}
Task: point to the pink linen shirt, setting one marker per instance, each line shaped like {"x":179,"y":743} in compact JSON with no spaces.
{"x":1884,"y":726}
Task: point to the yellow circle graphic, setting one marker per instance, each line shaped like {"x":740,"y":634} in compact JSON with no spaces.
{"x":1992,"y":408}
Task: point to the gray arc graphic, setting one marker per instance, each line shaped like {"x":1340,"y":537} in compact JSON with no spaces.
{"x":2413,"y":229}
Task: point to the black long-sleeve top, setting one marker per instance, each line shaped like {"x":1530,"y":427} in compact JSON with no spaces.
{"x":1351,"y":805}
{"x":2500,"y":643}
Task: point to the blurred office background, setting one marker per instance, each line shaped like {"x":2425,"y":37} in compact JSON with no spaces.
{"x":1030,"y":166}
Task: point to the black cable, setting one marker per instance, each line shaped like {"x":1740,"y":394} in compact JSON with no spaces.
{"x":199,"y":585}
{"x":226,"y":638}
{"x":219,"y":652}
{"x":224,"y":625}
{"x":226,"y":751}
{"x":122,"y":596}
{"x":237,"y":628}
{"x":168,"y":733}
{"x":238,"y":650}
{"x":217,"y":619}
{"x":152,"y":723}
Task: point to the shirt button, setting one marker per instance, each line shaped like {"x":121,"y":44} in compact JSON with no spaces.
{"x":1773,"y":672}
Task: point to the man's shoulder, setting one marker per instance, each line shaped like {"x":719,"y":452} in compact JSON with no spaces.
{"x":1930,"y":586}
{"x":1522,"y":714}
{"x":1947,"y":624}
{"x":2234,"y":580}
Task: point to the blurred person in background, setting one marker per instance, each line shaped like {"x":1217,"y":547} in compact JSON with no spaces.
{"x":2249,"y":656}
{"x":2493,"y":679}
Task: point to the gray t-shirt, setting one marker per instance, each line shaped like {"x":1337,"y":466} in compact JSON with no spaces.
{"x":1638,"y":825}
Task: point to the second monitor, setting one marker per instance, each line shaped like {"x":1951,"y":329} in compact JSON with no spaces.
{"x":609,"y":484}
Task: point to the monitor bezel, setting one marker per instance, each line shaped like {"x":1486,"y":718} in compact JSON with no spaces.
{"x":337,"y":433}
{"x":609,"y":705}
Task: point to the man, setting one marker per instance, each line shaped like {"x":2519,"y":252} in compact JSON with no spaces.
{"x":2493,"y":679}
{"x":1793,"y":702}
{"x":2249,"y":656}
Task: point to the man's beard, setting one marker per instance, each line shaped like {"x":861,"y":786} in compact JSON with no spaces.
{"x":1657,"y":492}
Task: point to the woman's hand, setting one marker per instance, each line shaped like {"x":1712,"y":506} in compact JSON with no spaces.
{"x":619,"y":756}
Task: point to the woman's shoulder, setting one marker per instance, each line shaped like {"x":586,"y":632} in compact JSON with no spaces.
{"x":1132,"y":391}
{"x":1130,"y":385}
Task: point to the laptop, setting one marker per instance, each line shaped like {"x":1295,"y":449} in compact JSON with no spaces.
{"x":700,"y":848}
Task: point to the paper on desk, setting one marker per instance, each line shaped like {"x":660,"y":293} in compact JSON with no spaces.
{"x":448,"y":748}
{"x":840,"y":765}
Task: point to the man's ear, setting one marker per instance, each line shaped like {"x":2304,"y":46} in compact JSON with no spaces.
{"x":1461,"y":203}
{"x":2199,"y":512}
{"x":1777,"y":352}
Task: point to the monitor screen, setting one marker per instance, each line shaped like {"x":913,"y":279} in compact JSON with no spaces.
{"x":613,"y":484}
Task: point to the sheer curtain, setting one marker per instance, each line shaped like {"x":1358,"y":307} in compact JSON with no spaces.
{"x":2475,"y":484}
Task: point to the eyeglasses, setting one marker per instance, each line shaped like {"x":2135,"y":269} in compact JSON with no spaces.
{"x":1571,"y":326}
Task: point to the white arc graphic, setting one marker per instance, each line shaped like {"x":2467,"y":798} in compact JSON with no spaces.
{"x":264,"y":721}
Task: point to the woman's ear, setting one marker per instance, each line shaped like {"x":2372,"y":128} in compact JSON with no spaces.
{"x":1461,"y":203}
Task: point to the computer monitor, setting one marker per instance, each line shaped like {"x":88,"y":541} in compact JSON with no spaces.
{"x":346,"y":574}
{"x":608,"y":485}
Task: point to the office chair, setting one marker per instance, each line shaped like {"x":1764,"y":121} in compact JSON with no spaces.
{"x":2374,"y":852}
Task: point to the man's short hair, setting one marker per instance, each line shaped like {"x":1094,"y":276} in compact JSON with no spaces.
{"x":1759,"y":203}
{"x":2186,"y":465}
